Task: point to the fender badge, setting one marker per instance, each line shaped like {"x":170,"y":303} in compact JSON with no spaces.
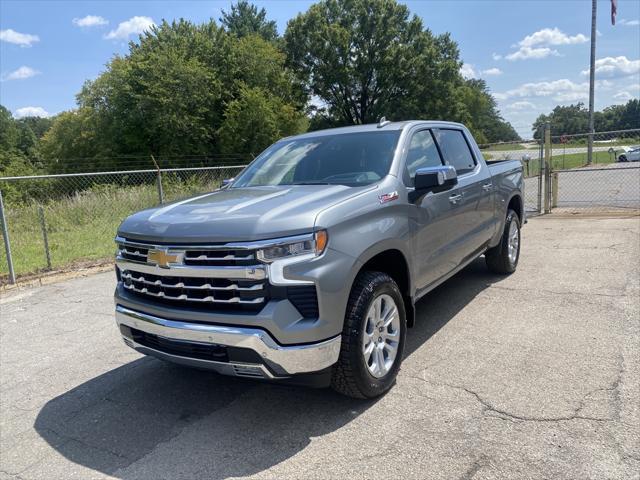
{"x":388,"y":197}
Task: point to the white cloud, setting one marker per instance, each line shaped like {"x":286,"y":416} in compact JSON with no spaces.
{"x":90,"y":21}
{"x":615,"y":67}
{"x":467,"y":71}
{"x":623,"y":96}
{"x":563,"y":90}
{"x":31,"y":112}
{"x":551,"y":36}
{"x":492,"y":71}
{"x":522,"y":105}
{"x":537,"y":45}
{"x":17,"y":38}
{"x":496,"y":56}
{"x":133,"y":26}
{"x":629,"y":23}
{"x":526,"y":53}
{"x":21,"y":73}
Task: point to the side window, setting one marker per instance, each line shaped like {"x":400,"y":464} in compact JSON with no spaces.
{"x":422,"y":153}
{"x":455,"y":150}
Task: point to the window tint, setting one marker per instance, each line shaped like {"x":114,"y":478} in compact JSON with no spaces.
{"x":455,"y":150}
{"x":422,"y":153}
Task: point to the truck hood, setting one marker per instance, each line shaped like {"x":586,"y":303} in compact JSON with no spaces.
{"x":237,"y":214}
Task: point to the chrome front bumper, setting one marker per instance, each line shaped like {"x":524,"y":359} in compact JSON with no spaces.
{"x":280,"y":361}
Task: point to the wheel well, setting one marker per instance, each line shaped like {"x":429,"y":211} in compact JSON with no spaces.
{"x":515,"y":204}
{"x":393,"y":263}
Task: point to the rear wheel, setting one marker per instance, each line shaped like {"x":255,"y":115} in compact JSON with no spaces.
{"x":503,"y":258}
{"x":622,"y":158}
{"x":372,"y":338}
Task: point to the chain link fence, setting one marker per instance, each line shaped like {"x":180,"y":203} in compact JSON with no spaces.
{"x":530,"y":154}
{"x":65,"y":221}
{"x":609,"y":183}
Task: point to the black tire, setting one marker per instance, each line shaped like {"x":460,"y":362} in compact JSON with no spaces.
{"x":622,"y":158}
{"x":497,"y":258}
{"x":350,"y":375}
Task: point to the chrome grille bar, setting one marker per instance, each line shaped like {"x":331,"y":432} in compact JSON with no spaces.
{"x":206,"y":286}
{"x":232,"y":272}
{"x":184,"y":297}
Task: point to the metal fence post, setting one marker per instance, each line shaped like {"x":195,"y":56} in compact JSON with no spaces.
{"x":547,"y":168}
{"x":7,"y":242}
{"x":158,"y":180}
{"x":540,"y":169}
{"x":45,"y":237}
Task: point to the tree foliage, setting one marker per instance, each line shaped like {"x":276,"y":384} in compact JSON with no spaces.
{"x":171,"y":96}
{"x":245,"y":19}
{"x":573,"y":119}
{"x":364,"y":59}
{"x":186,"y":89}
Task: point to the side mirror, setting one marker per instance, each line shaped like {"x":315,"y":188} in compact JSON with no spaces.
{"x":226,"y":182}
{"x":434,"y":179}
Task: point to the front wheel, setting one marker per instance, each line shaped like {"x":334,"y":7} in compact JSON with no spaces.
{"x":503,"y":258}
{"x":622,"y":158}
{"x":372,"y":338}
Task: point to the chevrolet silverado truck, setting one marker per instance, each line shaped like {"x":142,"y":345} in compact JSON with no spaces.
{"x":306,"y":267}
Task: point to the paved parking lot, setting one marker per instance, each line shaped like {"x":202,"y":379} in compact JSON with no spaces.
{"x":531,"y":376}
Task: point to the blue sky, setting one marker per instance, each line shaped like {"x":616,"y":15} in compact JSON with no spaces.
{"x":533,"y":54}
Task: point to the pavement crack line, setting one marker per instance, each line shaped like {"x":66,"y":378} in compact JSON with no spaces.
{"x":487,"y":406}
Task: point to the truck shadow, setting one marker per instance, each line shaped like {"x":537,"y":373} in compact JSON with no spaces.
{"x":168,"y":414}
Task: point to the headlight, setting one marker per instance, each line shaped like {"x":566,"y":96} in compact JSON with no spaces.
{"x":314,"y":244}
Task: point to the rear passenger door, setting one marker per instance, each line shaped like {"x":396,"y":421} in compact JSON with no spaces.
{"x":473,"y":219}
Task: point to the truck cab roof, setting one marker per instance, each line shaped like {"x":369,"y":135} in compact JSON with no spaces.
{"x":372,"y":127}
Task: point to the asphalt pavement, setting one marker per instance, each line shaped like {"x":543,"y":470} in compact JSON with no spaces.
{"x":534,"y":375}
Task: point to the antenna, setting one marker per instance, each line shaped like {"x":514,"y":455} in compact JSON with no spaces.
{"x":383,"y":121}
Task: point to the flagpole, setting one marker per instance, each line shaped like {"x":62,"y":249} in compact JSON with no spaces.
{"x":592,"y":77}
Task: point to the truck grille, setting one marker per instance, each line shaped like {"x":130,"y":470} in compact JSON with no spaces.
{"x":204,"y":277}
{"x":207,"y":278}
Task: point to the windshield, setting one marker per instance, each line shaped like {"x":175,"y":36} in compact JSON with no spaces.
{"x":352,"y":159}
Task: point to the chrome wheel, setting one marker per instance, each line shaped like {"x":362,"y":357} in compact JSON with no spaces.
{"x":513,"y":243}
{"x":381,"y":335}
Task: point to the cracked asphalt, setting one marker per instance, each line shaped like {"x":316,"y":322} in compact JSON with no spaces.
{"x":535,"y":375}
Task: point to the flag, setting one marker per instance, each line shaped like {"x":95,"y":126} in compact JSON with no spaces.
{"x":614,"y":10}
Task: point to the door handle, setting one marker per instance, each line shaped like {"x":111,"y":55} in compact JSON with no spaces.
{"x":487,"y":186}
{"x":455,"y":198}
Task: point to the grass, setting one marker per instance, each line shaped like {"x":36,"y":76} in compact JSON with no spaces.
{"x":82,"y":227}
{"x":506,"y":146}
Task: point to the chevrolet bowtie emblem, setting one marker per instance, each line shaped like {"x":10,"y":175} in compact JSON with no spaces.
{"x":163,"y":258}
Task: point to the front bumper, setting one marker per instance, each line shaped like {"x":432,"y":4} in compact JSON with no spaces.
{"x":270,"y":360}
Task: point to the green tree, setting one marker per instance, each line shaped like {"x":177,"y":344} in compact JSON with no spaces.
{"x":245,"y":19}
{"x":574,"y":119}
{"x":481,"y":115}
{"x":169,"y":97}
{"x":370,"y":58}
{"x":8,"y":130}
{"x":255,"y":120}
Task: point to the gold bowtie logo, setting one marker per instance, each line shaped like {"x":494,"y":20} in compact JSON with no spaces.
{"x":162,"y":258}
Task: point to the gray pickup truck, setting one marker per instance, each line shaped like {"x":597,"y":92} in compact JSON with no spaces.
{"x":306,"y":267}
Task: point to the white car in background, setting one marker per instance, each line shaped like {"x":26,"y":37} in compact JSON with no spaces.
{"x":630,"y":154}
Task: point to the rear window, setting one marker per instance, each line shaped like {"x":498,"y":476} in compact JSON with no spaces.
{"x":455,"y":150}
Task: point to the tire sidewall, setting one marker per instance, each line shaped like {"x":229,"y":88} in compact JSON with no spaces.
{"x":511,"y":217}
{"x":369,"y":385}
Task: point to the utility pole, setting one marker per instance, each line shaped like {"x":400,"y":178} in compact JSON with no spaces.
{"x":592,"y":78}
